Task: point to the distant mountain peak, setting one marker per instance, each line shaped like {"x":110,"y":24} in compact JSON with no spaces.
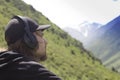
{"x":83,"y":30}
{"x":86,"y":28}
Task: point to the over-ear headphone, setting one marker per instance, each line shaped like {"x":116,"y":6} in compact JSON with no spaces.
{"x":28,"y":38}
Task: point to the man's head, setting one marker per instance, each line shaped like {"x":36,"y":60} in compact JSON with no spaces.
{"x":21,"y":35}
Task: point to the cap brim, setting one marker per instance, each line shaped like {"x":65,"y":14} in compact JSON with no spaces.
{"x":43,"y":27}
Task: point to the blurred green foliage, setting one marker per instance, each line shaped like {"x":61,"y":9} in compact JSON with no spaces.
{"x":66,"y":56}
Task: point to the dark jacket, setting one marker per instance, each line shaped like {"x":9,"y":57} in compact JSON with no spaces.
{"x":15,"y":66}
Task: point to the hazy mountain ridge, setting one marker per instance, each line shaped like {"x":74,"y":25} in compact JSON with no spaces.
{"x":75,"y":33}
{"x":66,"y":56}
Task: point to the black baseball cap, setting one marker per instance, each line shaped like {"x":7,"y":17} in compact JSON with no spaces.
{"x":15,"y":29}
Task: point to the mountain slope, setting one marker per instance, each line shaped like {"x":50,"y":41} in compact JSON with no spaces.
{"x":75,"y":33}
{"x":66,"y":56}
{"x":107,"y":42}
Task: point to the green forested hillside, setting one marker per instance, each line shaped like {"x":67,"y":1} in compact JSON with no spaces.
{"x":66,"y":56}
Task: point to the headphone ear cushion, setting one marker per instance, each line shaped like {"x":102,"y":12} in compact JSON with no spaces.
{"x":30,"y":41}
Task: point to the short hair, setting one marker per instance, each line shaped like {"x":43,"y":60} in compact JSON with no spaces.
{"x":20,"y":47}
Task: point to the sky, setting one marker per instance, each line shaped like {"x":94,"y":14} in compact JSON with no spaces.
{"x":65,"y":13}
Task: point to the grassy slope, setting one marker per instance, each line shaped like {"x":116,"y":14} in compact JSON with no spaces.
{"x":66,"y":56}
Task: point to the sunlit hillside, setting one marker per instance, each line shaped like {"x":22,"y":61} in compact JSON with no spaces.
{"x":66,"y":56}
